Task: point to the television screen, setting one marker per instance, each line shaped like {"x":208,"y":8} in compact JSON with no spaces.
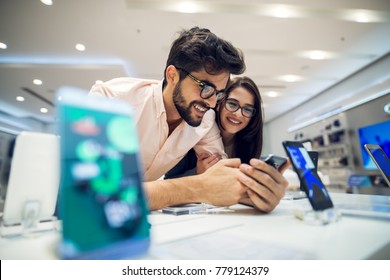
{"x":374,"y":134}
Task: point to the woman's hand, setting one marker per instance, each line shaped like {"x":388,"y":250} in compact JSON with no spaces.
{"x":205,"y":161}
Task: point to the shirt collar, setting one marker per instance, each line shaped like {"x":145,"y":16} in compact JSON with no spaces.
{"x":158,"y":99}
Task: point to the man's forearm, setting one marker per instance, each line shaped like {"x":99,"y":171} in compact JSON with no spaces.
{"x":218,"y":185}
{"x":163,"y":193}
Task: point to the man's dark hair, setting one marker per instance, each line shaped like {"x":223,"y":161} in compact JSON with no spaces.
{"x":199,"y":49}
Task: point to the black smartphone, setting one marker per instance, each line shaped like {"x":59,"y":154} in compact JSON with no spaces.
{"x":314,"y":157}
{"x":380,"y":159}
{"x":310,"y":181}
{"x":275,"y":161}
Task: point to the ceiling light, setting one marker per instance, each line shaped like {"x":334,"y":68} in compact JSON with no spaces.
{"x":80,"y":47}
{"x":363,"y":16}
{"x":44,"y":110}
{"x":3,"y":46}
{"x":317,"y":55}
{"x":20,"y":98}
{"x":272,"y":94}
{"x":187,"y":7}
{"x":283,"y":11}
{"x":47,"y":2}
{"x":291,"y":78}
{"x":37,"y":82}
{"x":98,"y":82}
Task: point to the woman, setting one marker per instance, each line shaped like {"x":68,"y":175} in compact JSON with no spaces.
{"x":240,"y":119}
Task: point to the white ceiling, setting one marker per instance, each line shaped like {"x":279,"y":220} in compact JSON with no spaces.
{"x":132,"y":38}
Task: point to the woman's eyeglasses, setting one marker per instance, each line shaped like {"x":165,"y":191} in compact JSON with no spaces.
{"x":232,"y":105}
{"x":207,"y":90}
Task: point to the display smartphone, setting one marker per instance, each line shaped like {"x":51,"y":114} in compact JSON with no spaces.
{"x":306,"y":170}
{"x":314,"y":157}
{"x":102,"y":204}
{"x":275,"y":161}
{"x":380,"y":159}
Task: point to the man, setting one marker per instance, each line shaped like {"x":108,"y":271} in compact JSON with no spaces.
{"x":173,"y":116}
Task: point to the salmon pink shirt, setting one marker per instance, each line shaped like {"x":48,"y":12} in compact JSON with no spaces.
{"x":160,"y":152}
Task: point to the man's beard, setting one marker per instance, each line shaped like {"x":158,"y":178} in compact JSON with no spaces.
{"x":185,"y":112}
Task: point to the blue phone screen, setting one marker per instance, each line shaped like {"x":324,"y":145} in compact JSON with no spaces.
{"x":307,"y":173}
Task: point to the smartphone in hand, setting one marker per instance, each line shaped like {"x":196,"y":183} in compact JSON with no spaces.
{"x":275,"y":161}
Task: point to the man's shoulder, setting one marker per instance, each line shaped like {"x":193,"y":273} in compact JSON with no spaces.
{"x":131,"y":82}
{"x":124,"y":86}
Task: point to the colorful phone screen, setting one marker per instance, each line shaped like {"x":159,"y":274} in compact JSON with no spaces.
{"x":102,"y":204}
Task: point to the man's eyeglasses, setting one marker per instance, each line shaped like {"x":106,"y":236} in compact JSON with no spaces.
{"x":207,"y":90}
{"x":232,"y":105}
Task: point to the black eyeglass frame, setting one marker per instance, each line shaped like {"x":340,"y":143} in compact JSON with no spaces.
{"x":220,"y":94}
{"x":239,"y":107}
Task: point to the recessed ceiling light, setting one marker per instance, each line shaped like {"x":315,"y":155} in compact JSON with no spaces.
{"x":317,"y":55}
{"x":20,"y":98}
{"x":281,"y":12}
{"x":44,"y":110}
{"x":272,"y":94}
{"x":362,"y":18}
{"x":80,"y":47}
{"x":3,"y":46}
{"x":291,"y":78}
{"x":47,"y":2}
{"x":37,"y":82}
{"x":187,"y":7}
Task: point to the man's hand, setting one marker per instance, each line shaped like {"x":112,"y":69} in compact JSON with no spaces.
{"x":220,"y":184}
{"x":266,"y":185}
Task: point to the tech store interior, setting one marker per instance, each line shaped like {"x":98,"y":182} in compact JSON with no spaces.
{"x":323,"y":71}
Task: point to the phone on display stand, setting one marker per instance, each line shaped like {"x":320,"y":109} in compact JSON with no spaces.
{"x":314,"y":157}
{"x":102,"y":204}
{"x":380,"y":159}
{"x":306,"y":170}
